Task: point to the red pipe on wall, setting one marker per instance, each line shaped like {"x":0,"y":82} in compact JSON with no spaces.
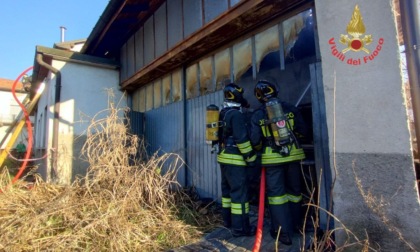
{"x":28,"y":125}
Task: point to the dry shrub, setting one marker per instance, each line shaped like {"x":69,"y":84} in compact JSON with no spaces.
{"x":122,"y":204}
{"x":203,"y":213}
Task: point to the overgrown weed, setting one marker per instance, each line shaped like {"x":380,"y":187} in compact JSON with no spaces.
{"x":124,"y":203}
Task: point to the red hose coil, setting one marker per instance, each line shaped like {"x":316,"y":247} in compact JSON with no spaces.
{"x":28,"y":125}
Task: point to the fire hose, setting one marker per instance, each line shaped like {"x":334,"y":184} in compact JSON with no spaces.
{"x":19,"y":127}
{"x":258,"y":236}
{"x":28,"y":125}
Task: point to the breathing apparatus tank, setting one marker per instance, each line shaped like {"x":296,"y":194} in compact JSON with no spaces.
{"x":212,"y":124}
{"x":278,"y":123}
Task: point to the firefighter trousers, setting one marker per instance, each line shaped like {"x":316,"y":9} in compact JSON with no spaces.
{"x":235,"y":211}
{"x":283,"y":187}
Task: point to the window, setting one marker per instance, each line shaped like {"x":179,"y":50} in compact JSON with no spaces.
{"x":157,"y":93}
{"x":299,"y":52}
{"x":267,"y":48}
{"x":177,"y":85}
{"x":142,"y":99}
{"x":149,"y":96}
{"x":242,"y":59}
{"x":136,"y":100}
{"x":192,"y":81}
{"x":222,"y":67}
{"x":166,"y":89}
{"x":206,"y":76}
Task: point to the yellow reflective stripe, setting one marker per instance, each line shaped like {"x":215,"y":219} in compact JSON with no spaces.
{"x":245,"y":147}
{"x":234,"y":159}
{"x":226,"y":202}
{"x":251,"y":159}
{"x":294,"y":198}
{"x":266,"y":131}
{"x":236,"y":208}
{"x":230,"y":160}
{"x":272,"y":157}
{"x":278,"y":200}
{"x":236,"y":211}
{"x":293,"y":150}
{"x":291,"y":122}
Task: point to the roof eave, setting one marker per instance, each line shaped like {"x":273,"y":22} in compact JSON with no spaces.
{"x":39,"y":72}
{"x":106,"y":17}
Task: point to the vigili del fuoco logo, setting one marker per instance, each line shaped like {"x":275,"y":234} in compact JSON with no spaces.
{"x":356,"y":40}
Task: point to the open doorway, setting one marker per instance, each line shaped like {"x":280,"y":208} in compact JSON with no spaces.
{"x":283,"y":54}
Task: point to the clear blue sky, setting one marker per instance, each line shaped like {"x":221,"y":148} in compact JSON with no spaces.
{"x":24,"y":24}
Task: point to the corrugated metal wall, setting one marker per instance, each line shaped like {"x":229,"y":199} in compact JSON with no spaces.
{"x":204,"y":172}
{"x":136,"y":122}
{"x":179,"y":127}
{"x":164,"y":132}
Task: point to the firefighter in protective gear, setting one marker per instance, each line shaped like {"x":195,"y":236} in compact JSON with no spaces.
{"x":283,"y":188}
{"x":235,"y":156}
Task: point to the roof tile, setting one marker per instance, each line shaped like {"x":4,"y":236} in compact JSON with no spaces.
{"x":6,"y":84}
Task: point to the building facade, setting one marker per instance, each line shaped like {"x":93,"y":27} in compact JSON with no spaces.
{"x":10,"y":112}
{"x":338,"y":61}
{"x":76,"y":90}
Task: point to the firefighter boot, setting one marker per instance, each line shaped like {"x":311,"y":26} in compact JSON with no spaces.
{"x":280,"y":221}
{"x":227,"y":217}
{"x":283,"y":238}
{"x":296,"y":216}
{"x":241,"y":226}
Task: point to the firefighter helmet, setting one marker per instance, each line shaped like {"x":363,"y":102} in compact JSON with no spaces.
{"x":265,"y":90}
{"x":234,"y":93}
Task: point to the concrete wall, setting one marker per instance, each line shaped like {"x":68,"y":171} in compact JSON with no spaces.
{"x":84,"y":95}
{"x":375,"y":193}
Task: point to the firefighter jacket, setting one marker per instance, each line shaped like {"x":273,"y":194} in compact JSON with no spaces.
{"x":235,"y":146}
{"x":262,"y":140}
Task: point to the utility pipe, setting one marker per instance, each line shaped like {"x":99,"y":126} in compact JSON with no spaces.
{"x":410,"y":27}
{"x":56,"y":121}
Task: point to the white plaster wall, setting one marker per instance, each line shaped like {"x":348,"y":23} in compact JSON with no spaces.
{"x":7,"y":115}
{"x":354,"y":84}
{"x":83,"y":95}
{"x":78,"y":47}
{"x":374,"y":192}
{"x":42,"y":142}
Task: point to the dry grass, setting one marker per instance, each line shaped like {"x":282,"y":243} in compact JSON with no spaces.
{"x":124,"y":203}
{"x":323,"y":240}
